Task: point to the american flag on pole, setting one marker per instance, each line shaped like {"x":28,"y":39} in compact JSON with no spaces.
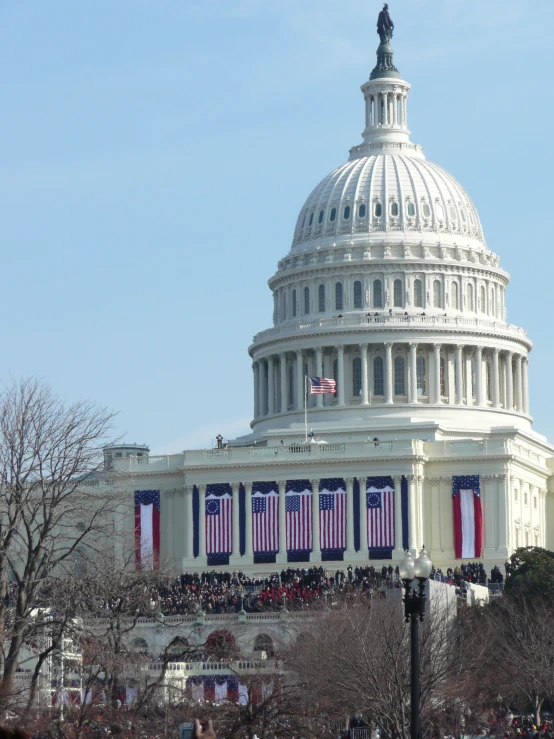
{"x":298,"y":507}
{"x":332,"y":514}
{"x":147,"y":529}
{"x":265,"y":517}
{"x":380,"y":512}
{"x":219,"y":507}
{"x":322,"y":386}
{"x":468,"y":516}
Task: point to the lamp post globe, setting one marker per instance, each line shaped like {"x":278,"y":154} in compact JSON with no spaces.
{"x":423,"y":566}
{"x":406,"y":568}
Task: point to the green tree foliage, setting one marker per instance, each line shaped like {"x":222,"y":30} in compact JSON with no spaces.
{"x":530,"y":573}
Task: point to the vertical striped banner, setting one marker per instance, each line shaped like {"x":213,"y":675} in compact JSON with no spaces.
{"x":265,"y":517}
{"x":380,"y":512}
{"x":219,"y":511}
{"x":332,"y":513}
{"x":298,"y":506}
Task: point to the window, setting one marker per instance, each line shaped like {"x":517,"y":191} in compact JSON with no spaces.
{"x":426,"y":210}
{"x":378,"y":210}
{"x":443,"y":378}
{"x":493,"y":302}
{"x":469,"y":292}
{"x":294,"y":303}
{"x":483,"y":301}
{"x":418,"y":294}
{"x":515,"y":494}
{"x":420,"y":375}
{"x":141,"y":645}
{"x":452,"y":212}
{"x":338,"y":296}
{"x":320,"y":218}
{"x":439,"y":211}
{"x":525,"y":498}
{"x":306,"y":300}
{"x":362,"y":210}
{"x":397,"y":290}
{"x":437,"y":294}
{"x":346,"y":212}
{"x":454,"y":296}
{"x":394,"y":209}
{"x":535,"y":502}
{"x":264,"y":643}
{"x":291,"y":384}
{"x":411,"y":209}
{"x":356,"y":376}
{"x":311,"y":219}
{"x":321,"y":298}
{"x":333,"y":214}
{"x":462,"y":213}
{"x":303,"y":221}
{"x":378,"y":376}
{"x":357,"y":294}
{"x":377,"y":294}
{"x":399,"y":383}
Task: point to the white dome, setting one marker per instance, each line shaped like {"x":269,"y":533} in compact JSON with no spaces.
{"x":388,"y":193}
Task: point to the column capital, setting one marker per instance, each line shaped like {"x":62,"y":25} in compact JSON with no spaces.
{"x":282,"y":355}
{"x":501,"y":478}
{"x":298,"y":352}
{"x":479,"y":349}
{"x":434,"y":480}
{"x":315,"y":484}
{"x":410,"y":478}
{"x":340,"y":348}
{"x":188,"y":489}
{"x":397,"y":477}
{"x":362,"y":481}
{"x":388,"y":344}
{"x":349,"y":480}
{"x":282,"y":484}
{"x":364,"y":345}
{"x":437,"y":347}
{"x":235,"y":487}
{"x":202,"y":488}
{"x":447,"y":478}
{"x":248,"y":487}
{"x":460,"y":347}
{"x":495,"y":351}
{"x":413,"y":344}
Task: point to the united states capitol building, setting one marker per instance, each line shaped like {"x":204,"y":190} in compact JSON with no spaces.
{"x":389,"y":288}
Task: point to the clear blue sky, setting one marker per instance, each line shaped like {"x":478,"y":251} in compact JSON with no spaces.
{"x":155,"y":154}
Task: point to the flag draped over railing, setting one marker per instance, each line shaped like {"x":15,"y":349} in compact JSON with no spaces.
{"x":219,"y":509}
{"x":468,"y":516}
{"x":265,"y":517}
{"x":332,"y":513}
{"x":298,"y":506}
{"x":380,"y":512}
{"x":147,"y":529}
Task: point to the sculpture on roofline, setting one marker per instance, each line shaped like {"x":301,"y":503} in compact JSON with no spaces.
{"x":385,"y":26}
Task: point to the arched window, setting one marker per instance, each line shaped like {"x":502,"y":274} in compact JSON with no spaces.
{"x":437,"y":302}
{"x":311,"y":219}
{"x":321,"y":298}
{"x":483,"y":300}
{"x":294,"y":303}
{"x":378,"y":210}
{"x":420,"y":375}
{"x":356,"y":376}
{"x":221,"y":644}
{"x":394,"y":209}
{"x":320,"y":217}
{"x":378,"y":376}
{"x":291,"y":384}
{"x":377,"y":294}
{"x":346,"y":212}
{"x":140,"y":645}
{"x":454,"y":296}
{"x":362,"y":211}
{"x":399,"y":381}
{"x":306,"y":300}
{"x":411,"y":209}
{"x":357,"y":294}
{"x":469,"y":291}
{"x":333,"y":214}
{"x":418,"y":294}
{"x":426,"y":210}
{"x":443,"y":378}
{"x":264,"y":643}
{"x":338,"y":296}
{"x":397,"y":294}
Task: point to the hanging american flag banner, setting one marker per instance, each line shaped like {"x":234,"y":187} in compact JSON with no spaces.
{"x":380,"y":512}
{"x":332,"y":514}
{"x":468,"y":516}
{"x":219,"y":502}
{"x":322,"y":386}
{"x":298,"y":506}
{"x":147,"y":529}
{"x":265,"y":517}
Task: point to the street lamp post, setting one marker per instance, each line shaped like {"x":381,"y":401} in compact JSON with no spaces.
{"x":414,"y":576}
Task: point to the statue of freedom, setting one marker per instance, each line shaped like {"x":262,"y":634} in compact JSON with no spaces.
{"x":385,"y":26}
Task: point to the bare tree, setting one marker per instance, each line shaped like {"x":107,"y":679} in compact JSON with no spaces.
{"x":49,"y":450}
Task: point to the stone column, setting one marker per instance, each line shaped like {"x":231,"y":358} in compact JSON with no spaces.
{"x":270,"y":387}
{"x":319,"y":373}
{"x":299,"y":381}
{"x":189,"y":526}
{"x":365,"y":376}
{"x":459,"y":374}
{"x":525,"y":381}
{"x":435,"y":511}
{"x":256,"y":370}
{"x":479,"y":395}
{"x":248,"y":548}
{"x":282,"y":554}
{"x":235,"y":556}
{"x":488,"y":503}
{"x":502,"y":517}
{"x":364,"y":550}
{"x":398,"y":547}
{"x":169,"y":518}
{"x":394,"y":109}
{"x":385,"y":107}
{"x":202,"y":522}
{"x":518,"y":388}
{"x":469,"y":381}
{"x":350,"y":551}
{"x":262,"y":394}
{"x":412,"y":514}
{"x":412,"y":363}
{"x":283,"y":374}
{"x":495,"y":379}
{"x":509,"y":382}
{"x":437,"y":370}
{"x":388,"y":374}
{"x":316,"y":546}
{"x":340,"y":372}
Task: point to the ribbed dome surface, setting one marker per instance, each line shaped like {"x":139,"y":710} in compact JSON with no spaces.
{"x":388,"y":192}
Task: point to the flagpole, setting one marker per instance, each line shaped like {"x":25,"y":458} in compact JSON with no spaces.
{"x":306,"y":406}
